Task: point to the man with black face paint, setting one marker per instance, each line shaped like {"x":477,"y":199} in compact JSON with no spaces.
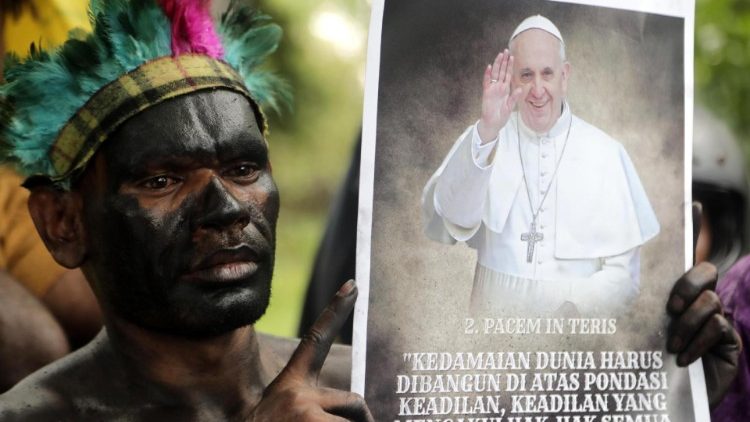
{"x":179,"y":302}
{"x":185,"y":191}
{"x":157,"y":183}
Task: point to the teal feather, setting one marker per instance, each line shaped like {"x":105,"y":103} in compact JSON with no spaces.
{"x":238,"y":18}
{"x":254,"y":46}
{"x":249,"y":37}
{"x":269,"y":90}
{"x":46,"y":89}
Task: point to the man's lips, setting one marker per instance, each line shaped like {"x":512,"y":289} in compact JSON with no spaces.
{"x":225,"y":266}
{"x":538,"y":104}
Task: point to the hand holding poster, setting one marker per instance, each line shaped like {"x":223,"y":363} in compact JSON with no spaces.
{"x":522,"y":221}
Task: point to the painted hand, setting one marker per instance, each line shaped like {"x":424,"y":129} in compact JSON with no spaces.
{"x":294,"y":394}
{"x":698,"y":328}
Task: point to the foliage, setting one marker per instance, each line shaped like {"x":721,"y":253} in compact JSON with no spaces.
{"x":722,"y":60}
{"x":310,"y":145}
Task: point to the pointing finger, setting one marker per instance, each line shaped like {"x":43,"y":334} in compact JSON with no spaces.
{"x":313,"y":349}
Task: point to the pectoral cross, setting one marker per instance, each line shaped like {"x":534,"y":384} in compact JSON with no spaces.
{"x":532,"y":237}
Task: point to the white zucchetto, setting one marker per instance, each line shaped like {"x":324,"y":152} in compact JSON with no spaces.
{"x":538,"y":22}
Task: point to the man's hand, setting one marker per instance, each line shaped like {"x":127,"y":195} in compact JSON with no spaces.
{"x":294,"y":394}
{"x":497,"y":99}
{"x":699,"y":330}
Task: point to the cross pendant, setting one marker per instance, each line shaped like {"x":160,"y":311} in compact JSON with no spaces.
{"x":531,"y":237}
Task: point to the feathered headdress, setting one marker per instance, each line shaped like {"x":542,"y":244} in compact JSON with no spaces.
{"x":57,"y":108}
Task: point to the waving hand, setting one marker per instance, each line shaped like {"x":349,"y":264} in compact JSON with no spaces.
{"x":497,"y":99}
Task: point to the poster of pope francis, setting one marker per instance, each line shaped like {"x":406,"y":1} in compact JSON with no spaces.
{"x":524,"y":211}
{"x":552,"y":204}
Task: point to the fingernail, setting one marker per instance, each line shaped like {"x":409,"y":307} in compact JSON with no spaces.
{"x":676,"y":303}
{"x":347,"y":288}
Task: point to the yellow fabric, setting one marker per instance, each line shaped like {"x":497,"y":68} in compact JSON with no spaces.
{"x":22,"y":253}
{"x":48,"y":24}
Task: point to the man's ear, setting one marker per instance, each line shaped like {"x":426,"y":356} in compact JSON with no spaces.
{"x":57,"y":216}
{"x":565,"y":76}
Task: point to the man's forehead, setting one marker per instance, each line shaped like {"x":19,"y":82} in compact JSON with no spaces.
{"x":200,"y":122}
{"x":536,"y":44}
{"x":215,"y":111}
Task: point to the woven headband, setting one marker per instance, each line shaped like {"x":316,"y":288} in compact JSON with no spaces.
{"x":133,"y":92}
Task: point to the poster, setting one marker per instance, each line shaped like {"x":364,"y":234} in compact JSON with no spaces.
{"x":421,"y":352}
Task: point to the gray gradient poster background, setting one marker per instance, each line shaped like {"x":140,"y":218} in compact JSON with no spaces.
{"x":627,"y":79}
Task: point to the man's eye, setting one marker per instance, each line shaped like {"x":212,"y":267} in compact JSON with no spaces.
{"x":158,"y":182}
{"x":243,"y":171}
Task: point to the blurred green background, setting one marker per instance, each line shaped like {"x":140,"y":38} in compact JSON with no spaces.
{"x":323,"y":56}
{"x":722,"y":61}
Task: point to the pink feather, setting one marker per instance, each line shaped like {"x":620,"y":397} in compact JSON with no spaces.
{"x":193,"y":29}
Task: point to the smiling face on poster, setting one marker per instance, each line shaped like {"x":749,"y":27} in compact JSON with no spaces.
{"x":523,"y":211}
{"x":540,"y":71}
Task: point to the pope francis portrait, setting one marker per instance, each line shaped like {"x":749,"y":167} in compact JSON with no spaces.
{"x":552,"y":205}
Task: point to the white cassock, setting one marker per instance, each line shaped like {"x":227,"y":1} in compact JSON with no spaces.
{"x":594,"y":218}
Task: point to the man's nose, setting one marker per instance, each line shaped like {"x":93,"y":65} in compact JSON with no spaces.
{"x":220,"y":208}
{"x":537,"y":88}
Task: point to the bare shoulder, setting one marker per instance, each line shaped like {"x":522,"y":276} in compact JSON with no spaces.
{"x":54,"y":392}
{"x":336,"y":372}
{"x":34,"y":402}
{"x":43,"y":395}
